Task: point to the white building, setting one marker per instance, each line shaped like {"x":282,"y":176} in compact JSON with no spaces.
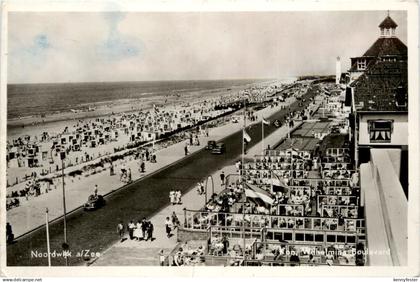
{"x":379,"y":121}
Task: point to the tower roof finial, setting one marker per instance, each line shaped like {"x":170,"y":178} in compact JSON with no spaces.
{"x":388,"y":23}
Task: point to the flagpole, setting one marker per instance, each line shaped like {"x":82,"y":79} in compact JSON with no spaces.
{"x":243,"y":166}
{"x":293,"y":169}
{"x":271,"y":182}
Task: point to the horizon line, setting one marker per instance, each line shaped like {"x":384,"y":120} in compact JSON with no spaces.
{"x":164,"y":80}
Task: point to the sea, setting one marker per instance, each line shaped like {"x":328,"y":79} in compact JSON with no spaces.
{"x":25,"y":100}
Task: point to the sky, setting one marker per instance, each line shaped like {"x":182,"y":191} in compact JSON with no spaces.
{"x":52,"y":47}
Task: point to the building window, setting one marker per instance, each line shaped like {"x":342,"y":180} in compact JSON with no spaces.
{"x":380,"y":131}
{"x":361,"y":64}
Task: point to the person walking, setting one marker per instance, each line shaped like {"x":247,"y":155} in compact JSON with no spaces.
{"x":123,"y":173}
{"x":144,"y":227}
{"x":225,"y":243}
{"x":9,"y":233}
{"x":111,"y":170}
{"x":168,"y":228}
{"x":95,"y":192}
{"x":161,"y":258}
{"x":131,"y":227}
{"x":178,"y":196}
{"x":222,"y":178}
{"x":138,"y":235}
{"x":150,"y":230}
{"x":120,"y":230}
{"x":129,"y":175}
{"x":200,"y":188}
{"x":197,"y":140}
{"x":175,"y":220}
{"x":237,"y":164}
{"x":172,"y":197}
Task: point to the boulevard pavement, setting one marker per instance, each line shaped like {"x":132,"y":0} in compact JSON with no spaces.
{"x":131,"y":252}
{"x":143,"y":198}
{"x":31,"y":214}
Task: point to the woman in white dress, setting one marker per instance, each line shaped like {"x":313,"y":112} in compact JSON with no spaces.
{"x":172,"y":197}
{"x":178,"y":196}
{"x":138,"y":234}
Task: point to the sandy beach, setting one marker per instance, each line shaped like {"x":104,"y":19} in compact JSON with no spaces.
{"x":54,"y":125}
{"x":25,"y":124}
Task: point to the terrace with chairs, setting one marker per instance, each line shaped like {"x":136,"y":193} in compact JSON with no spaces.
{"x":284,"y":210}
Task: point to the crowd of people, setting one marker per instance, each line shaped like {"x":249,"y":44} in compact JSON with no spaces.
{"x":140,"y":231}
{"x":188,"y":256}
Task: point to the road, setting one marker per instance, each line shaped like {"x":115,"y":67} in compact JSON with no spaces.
{"x":91,"y":232}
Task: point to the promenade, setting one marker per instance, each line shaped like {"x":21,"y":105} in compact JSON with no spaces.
{"x":131,"y":252}
{"x":142,"y":198}
{"x":31,"y":214}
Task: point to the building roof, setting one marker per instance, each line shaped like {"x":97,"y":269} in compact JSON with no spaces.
{"x":376,"y":89}
{"x":388,"y":23}
{"x":370,"y":61}
{"x":387,"y":46}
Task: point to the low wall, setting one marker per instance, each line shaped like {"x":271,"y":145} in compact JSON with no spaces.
{"x":188,"y":235}
{"x":386,"y":209}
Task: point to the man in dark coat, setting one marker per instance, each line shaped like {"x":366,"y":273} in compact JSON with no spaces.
{"x":9,"y":233}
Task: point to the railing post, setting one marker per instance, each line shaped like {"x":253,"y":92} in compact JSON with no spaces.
{"x":185,"y":217}
{"x":212,"y":185}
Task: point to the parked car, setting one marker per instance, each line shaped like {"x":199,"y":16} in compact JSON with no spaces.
{"x":94,"y":202}
{"x":210,"y":145}
{"x":219,"y":149}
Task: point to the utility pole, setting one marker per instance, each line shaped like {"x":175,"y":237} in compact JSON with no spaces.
{"x":65,"y":244}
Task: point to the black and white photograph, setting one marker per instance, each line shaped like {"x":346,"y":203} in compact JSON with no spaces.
{"x":236,"y":138}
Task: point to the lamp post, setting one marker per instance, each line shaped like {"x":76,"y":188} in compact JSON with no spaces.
{"x":243,"y":220}
{"x":205,"y":195}
{"x":65,"y":245}
{"x":47,"y":222}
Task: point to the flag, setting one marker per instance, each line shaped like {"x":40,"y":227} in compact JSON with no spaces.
{"x":253,"y":191}
{"x":279,"y":185}
{"x":247,"y":138}
{"x":295,"y":153}
{"x":266,"y":122}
